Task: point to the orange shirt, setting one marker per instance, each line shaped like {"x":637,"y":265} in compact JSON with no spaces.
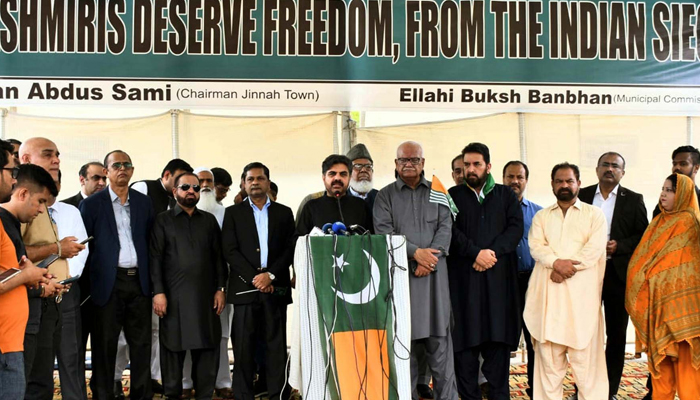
{"x":14,"y":305}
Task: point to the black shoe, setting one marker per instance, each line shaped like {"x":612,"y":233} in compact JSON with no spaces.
{"x":424,"y":391}
{"x":156,"y":387}
{"x":260,"y":388}
{"x":484,"y":390}
{"x":118,"y":390}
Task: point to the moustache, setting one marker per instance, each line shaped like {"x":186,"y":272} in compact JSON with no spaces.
{"x":337,"y":183}
{"x":515,"y":185}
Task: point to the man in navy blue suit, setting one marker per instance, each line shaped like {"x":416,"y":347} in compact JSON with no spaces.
{"x":120,"y":219}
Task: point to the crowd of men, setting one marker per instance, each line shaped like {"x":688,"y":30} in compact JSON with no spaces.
{"x":167,"y":274}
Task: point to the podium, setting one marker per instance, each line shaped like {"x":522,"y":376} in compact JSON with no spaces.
{"x":352,"y":328}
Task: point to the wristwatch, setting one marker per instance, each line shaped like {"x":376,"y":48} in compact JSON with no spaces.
{"x":221,"y":289}
{"x":271,"y":275}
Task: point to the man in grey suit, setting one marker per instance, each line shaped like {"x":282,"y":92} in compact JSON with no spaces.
{"x":404,"y":208}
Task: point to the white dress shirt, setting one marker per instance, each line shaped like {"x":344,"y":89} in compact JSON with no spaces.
{"x":70,"y":223}
{"x":607,"y":205}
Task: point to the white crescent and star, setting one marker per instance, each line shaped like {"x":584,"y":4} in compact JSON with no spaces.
{"x":369,"y":292}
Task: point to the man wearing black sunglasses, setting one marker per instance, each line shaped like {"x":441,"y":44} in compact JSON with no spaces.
{"x":161,"y":193}
{"x":120,"y":220}
{"x":189,"y":279}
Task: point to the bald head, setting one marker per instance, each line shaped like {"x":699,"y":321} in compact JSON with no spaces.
{"x":410,"y":162}
{"x":411,"y":147}
{"x":42,"y":152}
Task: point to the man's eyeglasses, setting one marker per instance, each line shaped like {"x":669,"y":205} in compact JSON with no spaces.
{"x":186,"y":186}
{"x":15,"y":172}
{"x":119,"y":165}
{"x":360,"y":167}
{"x":412,"y":160}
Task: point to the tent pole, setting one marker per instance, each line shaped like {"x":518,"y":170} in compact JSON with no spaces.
{"x":175,"y":132}
{"x":3,"y":114}
{"x":522,"y":135}
{"x":337,"y":127}
{"x":348,"y":134}
{"x":689,"y":130}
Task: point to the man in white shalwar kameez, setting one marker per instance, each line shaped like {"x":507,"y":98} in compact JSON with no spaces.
{"x":563,"y":300}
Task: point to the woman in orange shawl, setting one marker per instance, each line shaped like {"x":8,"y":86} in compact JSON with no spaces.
{"x":663,"y":292}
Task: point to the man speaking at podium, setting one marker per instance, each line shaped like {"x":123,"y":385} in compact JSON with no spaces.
{"x":404,"y":208}
{"x":336,"y":205}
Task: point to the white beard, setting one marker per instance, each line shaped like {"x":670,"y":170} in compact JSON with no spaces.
{"x":207,"y":202}
{"x":361,"y":186}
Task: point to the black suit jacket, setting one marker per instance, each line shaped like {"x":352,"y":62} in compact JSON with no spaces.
{"x":241,"y":248}
{"x":628,"y":224}
{"x":74,"y":201}
{"x":100,"y":222}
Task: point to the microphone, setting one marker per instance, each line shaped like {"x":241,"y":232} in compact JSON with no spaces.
{"x":358,"y":228}
{"x":327,"y":228}
{"x":339,"y":228}
{"x":340,"y":209}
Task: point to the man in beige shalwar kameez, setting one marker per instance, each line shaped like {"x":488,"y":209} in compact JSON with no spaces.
{"x":562,"y":304}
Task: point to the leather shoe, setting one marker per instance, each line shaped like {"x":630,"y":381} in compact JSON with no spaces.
{"x":156,"y":387}
{"x":187,"y":394}
{"x":224,"y":393}
{"x":424,"y":391}
{"x":118,"y":390}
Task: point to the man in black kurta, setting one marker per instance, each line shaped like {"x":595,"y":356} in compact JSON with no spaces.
{"x":336,"y":205}
{"x":189,"y":279}
{"x":483,"y":277}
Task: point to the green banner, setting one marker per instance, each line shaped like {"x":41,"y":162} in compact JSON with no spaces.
{"x":594,"y":42}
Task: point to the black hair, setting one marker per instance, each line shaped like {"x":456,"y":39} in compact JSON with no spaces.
{"x":480,"y":148}
{"x":177,"y":178}
{"x":273,"y":187}
{"x":35,"y":178}
{"x":459,"y":157}
{"x":83,"y":170}
{"x":255,"y":165}
{"x":516,"y":162}
{"x":6,"y":150}
{"x":221,"y":177}
{"x":106,"y":162}
{"x":694,"y":153}
{"x":674,"y":181}
{"x":175,"y":165}
{"x":334,"y":159}
{"x":565,"y":165}
{"x":14,"y":141}
{"x":613,"y":153}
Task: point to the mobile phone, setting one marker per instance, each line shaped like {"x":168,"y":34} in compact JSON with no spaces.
{"x":48,"y":261}
{"x":69,"y":280}
{"x":87,"y":240}
{"x":9,"y":274}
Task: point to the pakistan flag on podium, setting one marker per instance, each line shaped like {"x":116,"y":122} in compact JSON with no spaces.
{"x":354,"y":318}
